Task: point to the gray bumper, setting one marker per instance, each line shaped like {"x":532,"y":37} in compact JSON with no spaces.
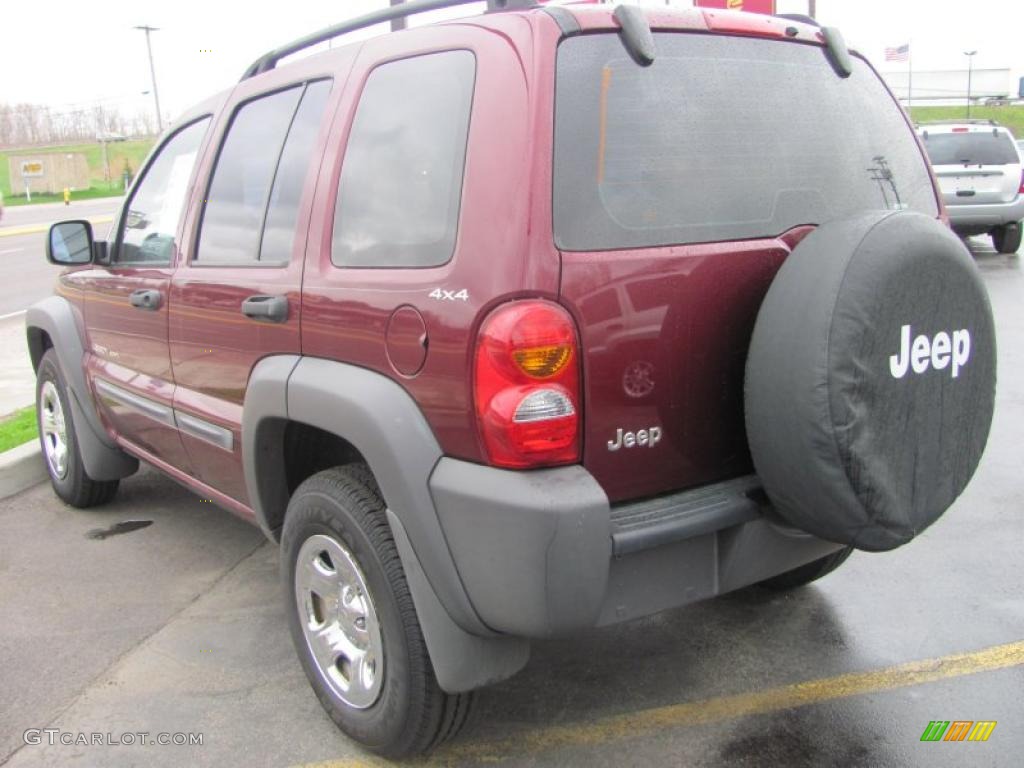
{"x":543,"y":553}
{"x":990,"y":215}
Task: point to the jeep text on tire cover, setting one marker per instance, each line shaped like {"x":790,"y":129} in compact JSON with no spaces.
{"x":413,"y":304}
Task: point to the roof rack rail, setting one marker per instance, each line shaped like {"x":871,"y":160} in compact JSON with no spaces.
{"x":269,"y":60}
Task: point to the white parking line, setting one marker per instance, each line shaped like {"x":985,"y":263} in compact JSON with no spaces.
{"x":9,"y":250}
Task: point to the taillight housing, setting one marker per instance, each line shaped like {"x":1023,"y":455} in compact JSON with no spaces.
{"x":1020,"y":191}
{"x":527,"y":386}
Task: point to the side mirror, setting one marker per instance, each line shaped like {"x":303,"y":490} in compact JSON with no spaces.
{"x":70,"y":243}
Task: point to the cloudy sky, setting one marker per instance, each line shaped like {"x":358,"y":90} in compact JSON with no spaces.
{"x":69,"y":54}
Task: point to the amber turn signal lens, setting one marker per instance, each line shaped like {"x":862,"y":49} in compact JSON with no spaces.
{"x":543,"y":362}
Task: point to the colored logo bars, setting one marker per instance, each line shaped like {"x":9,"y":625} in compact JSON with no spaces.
{"x":958,"y":730}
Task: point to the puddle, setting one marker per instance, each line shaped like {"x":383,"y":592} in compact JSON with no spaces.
{"x":126,"y":526}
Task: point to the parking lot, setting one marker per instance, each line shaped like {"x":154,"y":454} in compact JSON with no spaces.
{"x":179,"y":627}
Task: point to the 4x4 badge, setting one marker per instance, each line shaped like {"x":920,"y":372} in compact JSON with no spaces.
{"x":642,"y":437}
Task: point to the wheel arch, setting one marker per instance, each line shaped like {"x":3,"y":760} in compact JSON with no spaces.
{"x":373,"y":419}
{"x":51,"y":323}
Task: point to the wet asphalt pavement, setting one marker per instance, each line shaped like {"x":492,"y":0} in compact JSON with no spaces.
{"x":179,"y":626}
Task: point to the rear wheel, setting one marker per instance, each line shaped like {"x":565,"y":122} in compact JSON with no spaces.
{"x":59,"y":443}
{"x":1006,"y":239}
{"x":353,"y":621}
{"x":805,"y":574}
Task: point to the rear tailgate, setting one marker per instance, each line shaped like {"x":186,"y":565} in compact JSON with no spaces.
{"x":679,"y":189}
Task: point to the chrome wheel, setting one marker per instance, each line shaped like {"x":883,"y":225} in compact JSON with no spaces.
{"x":53,"y":430}
{"x":339,"y":621}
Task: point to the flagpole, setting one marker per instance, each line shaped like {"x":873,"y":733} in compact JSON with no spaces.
{"x":910,"y":78}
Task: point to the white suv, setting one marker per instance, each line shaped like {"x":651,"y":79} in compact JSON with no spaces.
{"x":978,"y":167}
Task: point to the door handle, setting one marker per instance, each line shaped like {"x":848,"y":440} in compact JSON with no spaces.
{"x":271,"y":308}
{"x":144,"y":299}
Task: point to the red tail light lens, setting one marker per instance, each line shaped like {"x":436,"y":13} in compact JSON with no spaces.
{"x":527,"y":386}
{"x":1021,"y":190}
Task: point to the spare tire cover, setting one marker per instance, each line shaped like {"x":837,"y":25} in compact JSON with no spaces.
{"x":870,"y":379}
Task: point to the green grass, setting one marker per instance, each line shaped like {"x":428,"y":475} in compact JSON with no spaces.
{"x":1012,"y":116}
{"x":20,"y":427}
{"x":133,"y":152}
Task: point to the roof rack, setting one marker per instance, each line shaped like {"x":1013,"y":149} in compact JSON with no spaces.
{"x":269,"y":60}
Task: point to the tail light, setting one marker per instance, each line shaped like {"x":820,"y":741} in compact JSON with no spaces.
{"x":1021,"y":190}
{"x":527,"y":386}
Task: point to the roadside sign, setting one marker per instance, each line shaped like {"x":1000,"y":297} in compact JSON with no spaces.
{"x":31,"y":168}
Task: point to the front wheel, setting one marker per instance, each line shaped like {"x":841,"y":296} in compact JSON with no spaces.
{"x":1006,"y":239}
{"x":353,"y":621}
{"x":59,"y":442}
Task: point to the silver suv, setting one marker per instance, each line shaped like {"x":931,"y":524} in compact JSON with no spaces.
{"x":978,"y":167}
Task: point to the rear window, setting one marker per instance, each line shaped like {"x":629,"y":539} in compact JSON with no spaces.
{"x":974,"y":148}
{"x":722,"y":138}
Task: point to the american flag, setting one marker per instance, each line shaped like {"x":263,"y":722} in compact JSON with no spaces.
{"x":902,"y":53}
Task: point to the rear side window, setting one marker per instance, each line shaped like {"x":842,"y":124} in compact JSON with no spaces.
{"x":974,"y":148}
{"x":401,"y":180}
{"x":259,"y":176}
{"x":721,"y":138}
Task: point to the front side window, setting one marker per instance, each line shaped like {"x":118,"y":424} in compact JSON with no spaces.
{"x":150,"y":222}
{"x":401,"y":179}
{"x":259,"y":177}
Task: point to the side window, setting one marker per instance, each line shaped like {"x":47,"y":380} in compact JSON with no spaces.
{"x":151,"y":219}
{"x":401,"y":181}
{"x":258,"y":177}
{"x":283,"y":210}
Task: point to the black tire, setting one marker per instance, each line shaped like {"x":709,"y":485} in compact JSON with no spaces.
{"x":411,"y":714}
{"x":812,"y":571}
{"x":74,"y":486}
{"x":1006,"y":239}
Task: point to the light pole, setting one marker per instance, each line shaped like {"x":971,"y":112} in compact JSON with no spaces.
{"x":152,"y":74}
{"x":970,"y":71}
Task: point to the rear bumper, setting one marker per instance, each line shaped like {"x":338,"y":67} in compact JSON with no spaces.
{"x":990,"y":215}
{"x":543,"y":553}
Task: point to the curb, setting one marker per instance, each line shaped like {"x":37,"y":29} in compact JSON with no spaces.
{"x":21,"y":468}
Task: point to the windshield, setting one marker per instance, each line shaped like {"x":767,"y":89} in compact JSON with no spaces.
{"x":722,"y":138}
{"x":975,"y":148}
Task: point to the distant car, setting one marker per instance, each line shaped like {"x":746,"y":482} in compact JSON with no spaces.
{"x":978,"y":166}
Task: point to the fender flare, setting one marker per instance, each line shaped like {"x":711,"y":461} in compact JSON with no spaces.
{"x":379,"y":418}
{"x":55,"y":317}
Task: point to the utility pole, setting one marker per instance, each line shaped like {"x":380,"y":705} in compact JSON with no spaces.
{"x":812,"y":8}
{"x":970,"y":71}
{"x":152,"y":74}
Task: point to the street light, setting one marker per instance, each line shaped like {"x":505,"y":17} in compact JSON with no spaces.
{"x":970,"y":71}
{"x":152,"y":74}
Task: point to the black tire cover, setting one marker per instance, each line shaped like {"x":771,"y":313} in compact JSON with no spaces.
{"x":856,"y":439}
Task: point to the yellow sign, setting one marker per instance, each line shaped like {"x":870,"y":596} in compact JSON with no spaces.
{"x":31,"y":168}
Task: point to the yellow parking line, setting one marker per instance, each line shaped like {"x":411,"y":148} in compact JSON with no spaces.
{"x":633,"y":724}
{"x":31,"y":229}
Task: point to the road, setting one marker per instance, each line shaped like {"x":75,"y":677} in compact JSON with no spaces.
{"x":25,"y":275}
{"x":180,"y":627}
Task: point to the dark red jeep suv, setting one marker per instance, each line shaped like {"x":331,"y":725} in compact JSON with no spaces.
{"x":522,"y":324}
